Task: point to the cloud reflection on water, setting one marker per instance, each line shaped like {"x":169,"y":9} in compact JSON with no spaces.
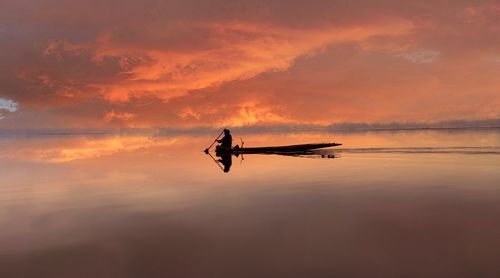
{"x":159,"y":203}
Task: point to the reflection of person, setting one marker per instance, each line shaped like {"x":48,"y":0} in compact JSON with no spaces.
{"x":227,"y":161}
{"x":227,"y":140}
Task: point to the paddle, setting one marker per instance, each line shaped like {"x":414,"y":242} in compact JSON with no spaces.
{"x":206,"y":150}
{"x":216,"y":162}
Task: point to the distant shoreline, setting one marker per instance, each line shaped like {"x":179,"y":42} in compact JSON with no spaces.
{"x":202,"y":131}
{"x":433,"y":128}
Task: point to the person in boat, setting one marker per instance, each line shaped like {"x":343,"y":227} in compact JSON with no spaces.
{"x":227,"y":141}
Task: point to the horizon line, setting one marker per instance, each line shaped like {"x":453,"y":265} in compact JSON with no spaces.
{"x":335,"y":127}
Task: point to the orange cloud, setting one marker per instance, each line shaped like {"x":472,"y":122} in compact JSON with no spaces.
{"x":199,"y":63}
{"x":240,"y":51}
{"x":254,"y":113}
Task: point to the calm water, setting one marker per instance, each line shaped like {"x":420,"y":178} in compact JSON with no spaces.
{"x":390,"y":204}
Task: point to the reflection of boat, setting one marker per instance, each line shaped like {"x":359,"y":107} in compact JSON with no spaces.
{"x":304,"y":150}
{"x":292,"y":149}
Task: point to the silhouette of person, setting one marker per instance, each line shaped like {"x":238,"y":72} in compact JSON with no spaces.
{"x":227,"y":140}
{"x":227,"y":161}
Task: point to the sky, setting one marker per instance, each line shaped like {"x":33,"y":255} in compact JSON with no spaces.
{"x":189,"y":63}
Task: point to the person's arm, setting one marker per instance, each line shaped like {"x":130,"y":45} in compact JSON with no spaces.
{"x":221,"y":140}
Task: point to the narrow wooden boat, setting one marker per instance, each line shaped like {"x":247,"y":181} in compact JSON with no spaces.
{"x":274,"y":150}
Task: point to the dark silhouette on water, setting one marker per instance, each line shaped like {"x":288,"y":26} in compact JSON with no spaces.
{"x":226,"y":144}
{"x":216,"y":139}
{"x":227,"y":161}
{"x":227,"y":140}
{"x":292,"y":149}
{"x":225,"y":150}
{"x":224,"y":162}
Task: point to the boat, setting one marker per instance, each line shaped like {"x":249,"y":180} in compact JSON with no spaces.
{"x":291,"y":149}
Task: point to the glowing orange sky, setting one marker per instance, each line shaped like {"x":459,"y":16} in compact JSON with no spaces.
{"x":230,"y":63}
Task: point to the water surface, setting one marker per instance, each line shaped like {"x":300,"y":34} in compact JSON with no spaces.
{"x":385,"y":204}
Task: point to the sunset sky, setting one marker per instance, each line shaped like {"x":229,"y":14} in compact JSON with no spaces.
{"x":173,"y":63}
